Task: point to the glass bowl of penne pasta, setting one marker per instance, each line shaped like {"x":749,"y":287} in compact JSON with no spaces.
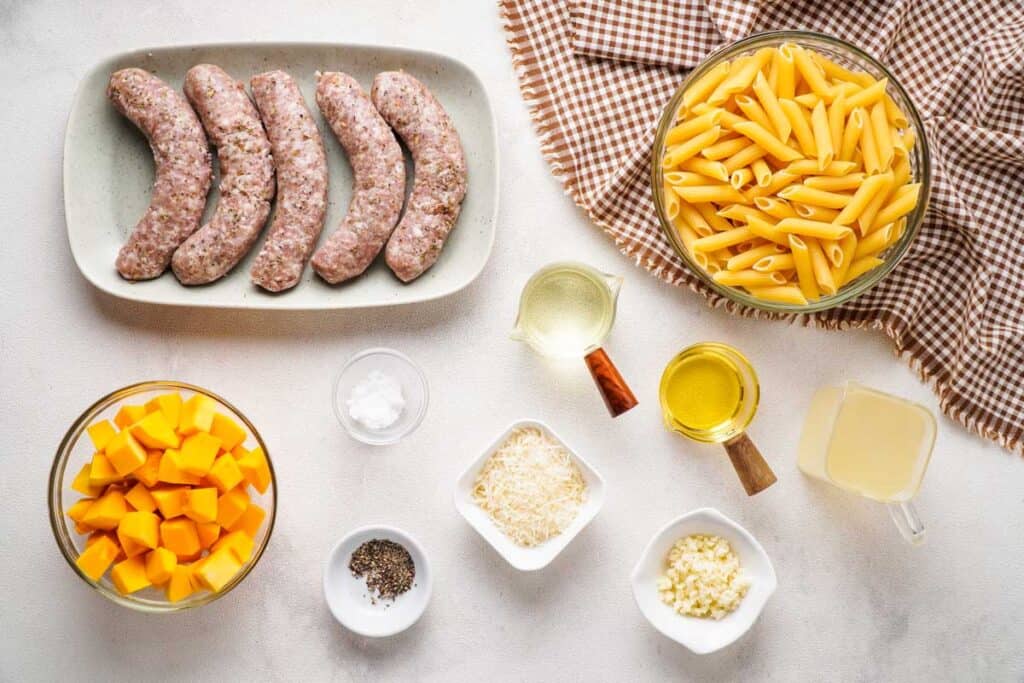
{"x":790,"y":171}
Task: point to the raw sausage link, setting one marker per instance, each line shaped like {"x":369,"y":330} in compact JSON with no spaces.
{"x":440,"y":171}
{"x":298,"y":153}
{"x":378,"y":173}
{"x":183,"y":170}
{"x":246,"y":177}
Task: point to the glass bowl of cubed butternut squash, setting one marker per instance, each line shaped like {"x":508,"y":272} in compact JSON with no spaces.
{"x":162,"y":496}
{"x":790,"y":171}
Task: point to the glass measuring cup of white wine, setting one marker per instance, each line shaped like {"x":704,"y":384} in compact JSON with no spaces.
{"x":566,"y":310}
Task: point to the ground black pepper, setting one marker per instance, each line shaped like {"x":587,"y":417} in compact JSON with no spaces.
{"x":387,"y":566}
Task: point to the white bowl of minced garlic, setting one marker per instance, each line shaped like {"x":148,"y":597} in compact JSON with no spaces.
{"x":703,"y":580}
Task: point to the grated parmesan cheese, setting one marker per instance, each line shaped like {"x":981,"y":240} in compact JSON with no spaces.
{"x":530,"y":487}
{"x":703,"y":578}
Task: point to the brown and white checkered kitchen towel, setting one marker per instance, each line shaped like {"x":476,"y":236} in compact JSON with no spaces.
{"x":596,"y":75}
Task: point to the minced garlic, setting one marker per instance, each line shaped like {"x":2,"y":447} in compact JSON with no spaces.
{"x":703,"y":578}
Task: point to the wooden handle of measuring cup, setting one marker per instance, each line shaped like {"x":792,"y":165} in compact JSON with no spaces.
{"x":617,"y":395}
{"x":749,"y":464}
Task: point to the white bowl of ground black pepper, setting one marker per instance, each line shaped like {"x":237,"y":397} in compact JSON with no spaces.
{"x":377,"y":581}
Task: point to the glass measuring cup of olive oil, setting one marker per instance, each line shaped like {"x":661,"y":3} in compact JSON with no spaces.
{"x":870,"y":443}
{"x":566,"y":310}
{"x":709,"y":393}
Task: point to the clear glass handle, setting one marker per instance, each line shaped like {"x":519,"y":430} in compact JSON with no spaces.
{"x":905,"y":516}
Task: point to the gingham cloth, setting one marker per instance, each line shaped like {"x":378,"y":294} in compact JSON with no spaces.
{"x":596,"y":75}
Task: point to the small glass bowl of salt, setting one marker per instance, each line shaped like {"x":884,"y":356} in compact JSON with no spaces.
{"x":380,"y":396}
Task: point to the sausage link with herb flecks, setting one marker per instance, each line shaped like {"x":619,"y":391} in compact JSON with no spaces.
{"x":246,"y":177}
{"x":378,"y":171}
{"x":183,"y":170}
{"x":440,"y":171}
{"x":298,"y":153}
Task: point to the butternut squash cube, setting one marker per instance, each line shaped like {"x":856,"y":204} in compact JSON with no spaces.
{"x":141,"y":527}
{"x":149,"y":473}
{"x":140,"y":498}
{"x":169,"y":405}
{"x":160,"y":564}
{"x":106,"y":511}
{"x":231,"y":506}
{"x":100,"y":433}
{"x":170,"y":501}
{"x":128,"y":415}
{"x":196,"y":415}
{"x":198,"y":453}
{"x":225,"y":473}
{"x":97,"y":556}
{"x":154,"y":431}
{"x":180,"y":585}
{"x":209,"y":532}
{"x":180,"y":537}
{"x":125,"y":453}
{"x":250,"y":520}
{"x":101,"y":472}
{"x":201,"y":505}
{"x":239,"y":543}
{"x":170,"y":469}
{"x":79,"y":509}
{"x":227,"y":430}
{"x":217,"y":569}
{"x":130,"y":575}
{"x":81,"y":482}
{"x":130,"y":548}
{"x":256,"y":469}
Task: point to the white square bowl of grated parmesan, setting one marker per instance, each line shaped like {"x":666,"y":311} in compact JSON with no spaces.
{"x":743,"y":596}
{"x":528,"y":494}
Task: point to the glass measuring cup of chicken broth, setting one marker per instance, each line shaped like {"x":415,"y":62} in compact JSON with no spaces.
{"x":709,"y":393}
{"x":870,"y":443}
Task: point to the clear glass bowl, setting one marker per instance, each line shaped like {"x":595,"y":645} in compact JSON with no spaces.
{"x":847,"y":55}
{"x":76,"y":449}
{"x":414,"y":391}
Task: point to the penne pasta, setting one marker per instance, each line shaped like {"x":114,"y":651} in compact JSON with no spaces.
{"x":680,"y":153}
{"x":711,"y":169}
{"x":744,"y":157}
{"x":902,"y":203}
{"x":785,"y":85}
{"x":773,"y":262}
{"x":762,"y":172}
{"x":748,"y":278}
{"x":809,"y":228}
{"x":725,"y":148}
{"x":862,"y":197}
{"x":822,"y":135}
{"x":686,"y":130}
{"x":815,"y":213}
{"x":771,"y":144}
{"x":787,"y":174}
{"x":851,"y":134}
{"x":745,"y":260}
{"x":703,"y":87}
{"x":801,"y":129}
{"x":775,"y":207}
{"x":819,"y":266}
{"x":880,"y":133}
{"x":808,"y":195}
{"x":781,"y":294}
{"x":721,"y":240}
{"x":804,"y":271}
{"x":861,"y":266}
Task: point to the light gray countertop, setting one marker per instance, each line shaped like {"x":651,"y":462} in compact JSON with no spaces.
{"x":854,"y":601}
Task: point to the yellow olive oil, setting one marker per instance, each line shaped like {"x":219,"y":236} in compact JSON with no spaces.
{"x":704,"y":393}
{"x":565,"y":309}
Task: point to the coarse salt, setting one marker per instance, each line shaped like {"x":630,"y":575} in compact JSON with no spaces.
{"x":376,"y":402}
